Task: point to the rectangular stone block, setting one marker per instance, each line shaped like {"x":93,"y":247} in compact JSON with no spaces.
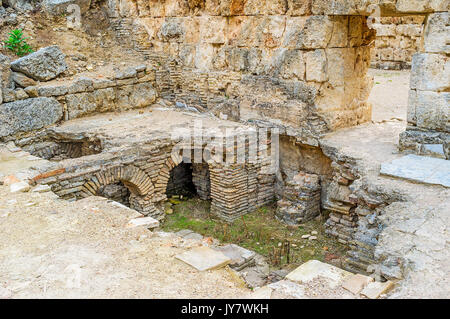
{"x":430,"y":72}
{"x":432,"y":109}
{"x":437,"y":33}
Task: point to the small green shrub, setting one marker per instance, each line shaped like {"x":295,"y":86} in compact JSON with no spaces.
{"x":17,"y":43}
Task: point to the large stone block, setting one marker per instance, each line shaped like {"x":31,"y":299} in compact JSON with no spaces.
{"x":299,"y":7}
{"x":5,"y":71}
{"x":28,"y":115}
{"x":291,"y":64}
{"x":59,"y":7}
{"x":316,"y":34}
{"x":421,"y":6}
{"x":43,"y":65}
{"x":437,"y":33}
{"x":316,"y":66}
{"x":213,"y":30}
{"x":337,"y":7}
{"x":430,"y":72}
{"x":431,"y":109}
{"x":80,"y":104}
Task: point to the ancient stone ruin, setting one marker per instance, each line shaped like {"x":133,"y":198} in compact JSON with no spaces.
{"x":281,"y":80}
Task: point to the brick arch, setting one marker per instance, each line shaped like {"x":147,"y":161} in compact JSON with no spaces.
{"x":135,"y":179}
{"x":164,"y":173}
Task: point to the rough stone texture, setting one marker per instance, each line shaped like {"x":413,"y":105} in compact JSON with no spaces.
{"x":22,"y":80}
{"x":398,"y":39}
{"x":27,"y":115}
{"x":300,"y":200}
{"x":43,"y":65}
{"x":266,"y":61}
{"x":437,"y":33}
{"x":428,"y":72}
{"x":58,"y":7}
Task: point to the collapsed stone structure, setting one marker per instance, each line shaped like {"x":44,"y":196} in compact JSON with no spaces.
{"x":297,"y":65}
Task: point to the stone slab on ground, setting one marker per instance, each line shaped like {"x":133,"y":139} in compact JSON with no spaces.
{"x":375,"y":289}
{"x":148,"y":222}
{"x":356,"y":283}
{"x":184,"y":232}
{"x":204,"y":258}
{"x":421,"y":169}
{"x":240,"y":256}
{"x":314,"y":269}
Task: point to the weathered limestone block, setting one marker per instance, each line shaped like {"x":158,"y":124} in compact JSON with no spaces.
{"x":29,"y":114}
{"x":430,"y":72}
{"x":172,"y":30}
{"x":299,"y":7}
{"x":80,"y":104}
{"x":316,"y":66}
{"x":22,"y":80}
{"x":339,"y":39}
{"x":104,"y":99}
{"x":58,"y":7}
{"x":429,"y":110}
{"x":135,"y":96}
{"x":437,"y":33}
{"x":338,"y":7}
{"x":213,"y":30}
{"x":316,"y":33}
{"x":43,"y":65}
{"x":52,"y":90}
{"x":291,"y":64}
{"x":5,"y":71}
{"x":144,"y":95}
{"x":421,"y":6}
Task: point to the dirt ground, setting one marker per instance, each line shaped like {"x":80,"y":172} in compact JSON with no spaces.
{"x":389,"y":95}
{"x":51,"y":248}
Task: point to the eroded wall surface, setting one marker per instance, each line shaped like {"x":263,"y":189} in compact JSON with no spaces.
{"x":279,"y":61}
{"x":398,"y":39}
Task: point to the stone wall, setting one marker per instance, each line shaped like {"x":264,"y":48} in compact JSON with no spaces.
{"x":398,"y":39}
{"x":47,"y":103}
{"x":277,"y":61}
{"x":428,"y":130}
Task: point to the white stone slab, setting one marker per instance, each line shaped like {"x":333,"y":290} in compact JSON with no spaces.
{"x":204,"y":258}
{"x":19,"y":187}
{"x":375,"y":289}
{"x":314,"y":269}
{"x":148,"y":222}
{"x":421,"y":169}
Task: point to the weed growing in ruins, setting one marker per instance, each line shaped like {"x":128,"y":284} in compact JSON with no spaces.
{"x":259,"y":231}
{"x":17,"y":43}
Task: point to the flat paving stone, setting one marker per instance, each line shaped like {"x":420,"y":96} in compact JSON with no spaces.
{"x":423,"y":169}
{"x":314,"y":269}
{"x":356,"y":283}
{"x":375,"y":289}
{"x":204,"y":258}
{"x":239,"y":255}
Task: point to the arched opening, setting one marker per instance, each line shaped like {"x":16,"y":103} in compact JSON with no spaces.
{"x":189,"y":180}
{"x":180,"y":182}
{"x":117,"y":192}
